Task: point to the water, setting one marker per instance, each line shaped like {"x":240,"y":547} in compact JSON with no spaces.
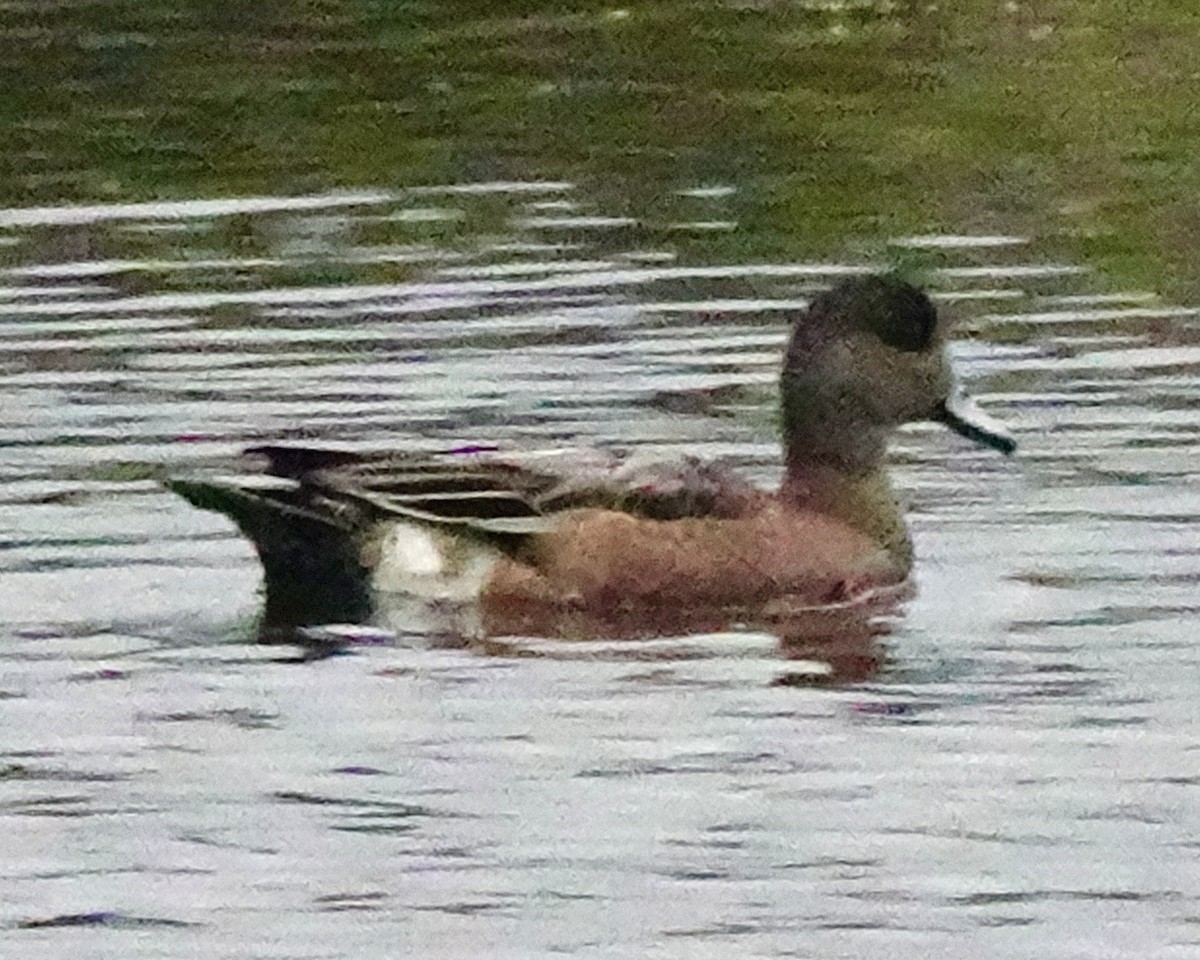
{"x":426,"y":227}
{"x":1007,"y":769}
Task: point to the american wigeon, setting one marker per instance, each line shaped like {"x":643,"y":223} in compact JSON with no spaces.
{"x":533,"y":538}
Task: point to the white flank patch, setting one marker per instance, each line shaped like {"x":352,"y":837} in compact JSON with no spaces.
{"x":429,"y":564}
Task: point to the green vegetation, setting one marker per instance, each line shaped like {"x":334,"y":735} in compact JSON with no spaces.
{"x":1068,"y":121}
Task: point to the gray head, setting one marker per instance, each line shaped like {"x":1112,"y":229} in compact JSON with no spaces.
{"x":867,"y":356}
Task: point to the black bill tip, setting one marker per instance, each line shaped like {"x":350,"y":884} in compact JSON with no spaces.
{"x":962,"y":415}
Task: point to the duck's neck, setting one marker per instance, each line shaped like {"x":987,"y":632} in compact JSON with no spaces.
{"x":863,"y":499}
{"x":834,"y":454}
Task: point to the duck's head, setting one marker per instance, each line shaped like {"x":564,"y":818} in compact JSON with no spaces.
{"x":867,"y":356}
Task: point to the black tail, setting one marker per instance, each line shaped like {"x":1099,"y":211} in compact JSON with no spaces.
{"x":312,"y":564}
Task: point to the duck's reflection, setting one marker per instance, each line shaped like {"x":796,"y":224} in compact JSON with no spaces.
{"x":845,"y":644}
{"x":830,"y":645}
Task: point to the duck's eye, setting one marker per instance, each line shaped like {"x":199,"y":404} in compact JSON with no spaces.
{"x":897,"y":313}
{"x":906,"y":320}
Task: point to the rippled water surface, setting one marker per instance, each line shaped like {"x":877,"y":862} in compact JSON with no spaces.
{"x":428,"y":225}
{"x":1009,"y":772}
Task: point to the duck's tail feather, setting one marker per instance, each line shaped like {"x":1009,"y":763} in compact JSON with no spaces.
{"x":297,"y":462}
{"x":310,"y":551}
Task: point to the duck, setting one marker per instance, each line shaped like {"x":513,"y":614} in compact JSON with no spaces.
{"x":545,"y":542}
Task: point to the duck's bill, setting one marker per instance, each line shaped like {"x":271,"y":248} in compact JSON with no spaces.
{"x":962,"y":415}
